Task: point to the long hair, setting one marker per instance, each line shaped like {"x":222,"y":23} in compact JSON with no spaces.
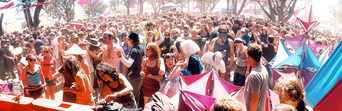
{"x":108,"y":69}
{"x":71,"y":65}
{"x":166,"y":56}
{"x":155,"y":50}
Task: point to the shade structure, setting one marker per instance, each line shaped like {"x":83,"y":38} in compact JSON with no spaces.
{"x":196,"y":96}
{"x":282,"y":53}
{"x":295,"y":42}
{"x":326,"y":82}
{"x":277,"y":74}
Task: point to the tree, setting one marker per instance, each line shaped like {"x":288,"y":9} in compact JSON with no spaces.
{"x":114,"y":3}
{"x":281,"y":9}
{"x":235,"y":6}
{"x":35,"y":23}
{"x":99,"y":8}
{"x":156,"y":5}
{"x":141,"y":5}
{"x":61,"y":9}
{"x":1,"y":19}
{"x":336,"y":12}
{"x":128,"y":3}
{"x":206,"y":5}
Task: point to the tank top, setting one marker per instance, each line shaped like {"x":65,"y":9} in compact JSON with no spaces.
{"x":46,"y":65}
{"x":33,"y":79}
{"x":221,"y":48}
{"x":241,"y":59}
{"x":123,"y":98}
{"x":151,"y":70}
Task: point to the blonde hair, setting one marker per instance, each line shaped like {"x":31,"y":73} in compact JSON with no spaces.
{"x":227,"y":103}
{"x":291,"y":88}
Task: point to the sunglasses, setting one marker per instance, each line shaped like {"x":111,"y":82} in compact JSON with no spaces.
{"x":149,"y":35}
{"x":32,"y":60}
{"x":167,"y":35}
{"x":147,"y":49}
{"x":46,"y":51}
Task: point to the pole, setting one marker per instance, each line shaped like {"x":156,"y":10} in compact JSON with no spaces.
{"x":27,"y":18}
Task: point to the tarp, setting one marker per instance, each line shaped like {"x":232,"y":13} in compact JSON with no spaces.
{"x":107,"y":11}
{"x":7,"y":6}
{"x":295,"y":42}
{"x":282,"y":53}
{"x":5,"y":89}
{"x":310,"y":60}
{"x":325,"y":79}
{"x":324,"y":56}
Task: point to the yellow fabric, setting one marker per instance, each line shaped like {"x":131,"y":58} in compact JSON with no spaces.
{"x":156,"y":33}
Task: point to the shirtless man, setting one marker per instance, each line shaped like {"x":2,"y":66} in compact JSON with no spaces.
{"x":82,"y":87}
{"x":109,"y":52}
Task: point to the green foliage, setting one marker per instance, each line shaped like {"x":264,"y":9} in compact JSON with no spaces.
{"x":99,"y":8}
{"x":61,"y":9}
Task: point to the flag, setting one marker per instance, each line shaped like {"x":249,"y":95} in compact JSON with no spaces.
{"x":7,"y":6}
{"x":107,"y":11}
{"x":132,"y":6}
{"x":95,"y":2}
{"x":250,"y":7}
{"x":83,"y":2}
{"x":21,"y":4}
{"x":37,"y":5}
{"x":194,"y":8}
{"x":57,"y":20}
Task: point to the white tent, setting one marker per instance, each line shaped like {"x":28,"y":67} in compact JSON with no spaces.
{"x":170,"y":7}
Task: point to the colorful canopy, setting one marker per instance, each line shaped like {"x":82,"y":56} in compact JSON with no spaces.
{"x":83,"y":2}
{"x":282,"y":53}
{"x":323,"y":87}
{"x":295,"y":42}
{"x":21,"y":4}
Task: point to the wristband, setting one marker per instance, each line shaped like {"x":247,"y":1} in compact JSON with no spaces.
{"x":119,"y":94}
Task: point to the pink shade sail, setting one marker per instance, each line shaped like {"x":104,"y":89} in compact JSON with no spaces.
{"x":83,"y":2}
{"x":191,"y":79}
{"x":250,"y":7}
{"x":202,"y":82}
{"x":206,"y":102}
{"x":221,"y":87}
{"x":295,"y":42}
{"x":132,"y":6}
{"x":107,"y":11}
{"x":278,"y":74}
{"x":7,"y":6}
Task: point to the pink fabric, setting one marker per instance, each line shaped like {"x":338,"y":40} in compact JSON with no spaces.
{"x":307,"y":25}
{"x":295,"y":42}
{"x":206,"y":101}
{"x":57,"y":20}
{"x":221,"y":87}
{"x":107,"y":11}
{"x":194,"y":8}
{"x":5,"y":89}
{"x":191,"y":79}
{"x":132,"y":6}
{"x":7,"y":6}
{"x":314,"y":47}
{"x":203,"y":82}
{"x":278,"y":74}
{"x":38,"y":5}
{"x":331,"y":101}
{"x":250,"y":7}
{"x":83,"y":2}
{"x":241,"y":98}
{"x":297,"y":11}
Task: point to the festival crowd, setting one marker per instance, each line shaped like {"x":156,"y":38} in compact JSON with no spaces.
{"x":127,"y":59}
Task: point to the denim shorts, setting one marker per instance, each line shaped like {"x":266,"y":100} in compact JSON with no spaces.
{"x":50,"y":82}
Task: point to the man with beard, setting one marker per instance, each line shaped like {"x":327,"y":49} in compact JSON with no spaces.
{"x":224,"y":45}
{"x":109,"y":52}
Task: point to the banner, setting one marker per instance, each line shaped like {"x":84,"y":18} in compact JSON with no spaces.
{"x":132,"y":6}
{"x":7,"y":6}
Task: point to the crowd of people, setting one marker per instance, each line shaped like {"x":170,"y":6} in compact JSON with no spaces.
{"x":129,"y":58}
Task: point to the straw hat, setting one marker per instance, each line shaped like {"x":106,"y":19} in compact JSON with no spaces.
{"x":75,"y":50}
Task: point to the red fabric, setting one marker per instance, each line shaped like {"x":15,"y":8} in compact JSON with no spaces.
{"x":221,"y":87}
{"x":46,"y":66}
{"x":307,"y":25}
{"x":83,"y":2}
{"x":7,"y":6}
{"x":331,"y":101}
{"x":38,"y":5}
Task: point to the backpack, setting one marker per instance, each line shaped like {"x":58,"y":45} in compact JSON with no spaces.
{"x":160,"y":102}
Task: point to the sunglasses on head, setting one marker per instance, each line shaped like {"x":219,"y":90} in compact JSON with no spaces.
{"x":32,"y":60}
